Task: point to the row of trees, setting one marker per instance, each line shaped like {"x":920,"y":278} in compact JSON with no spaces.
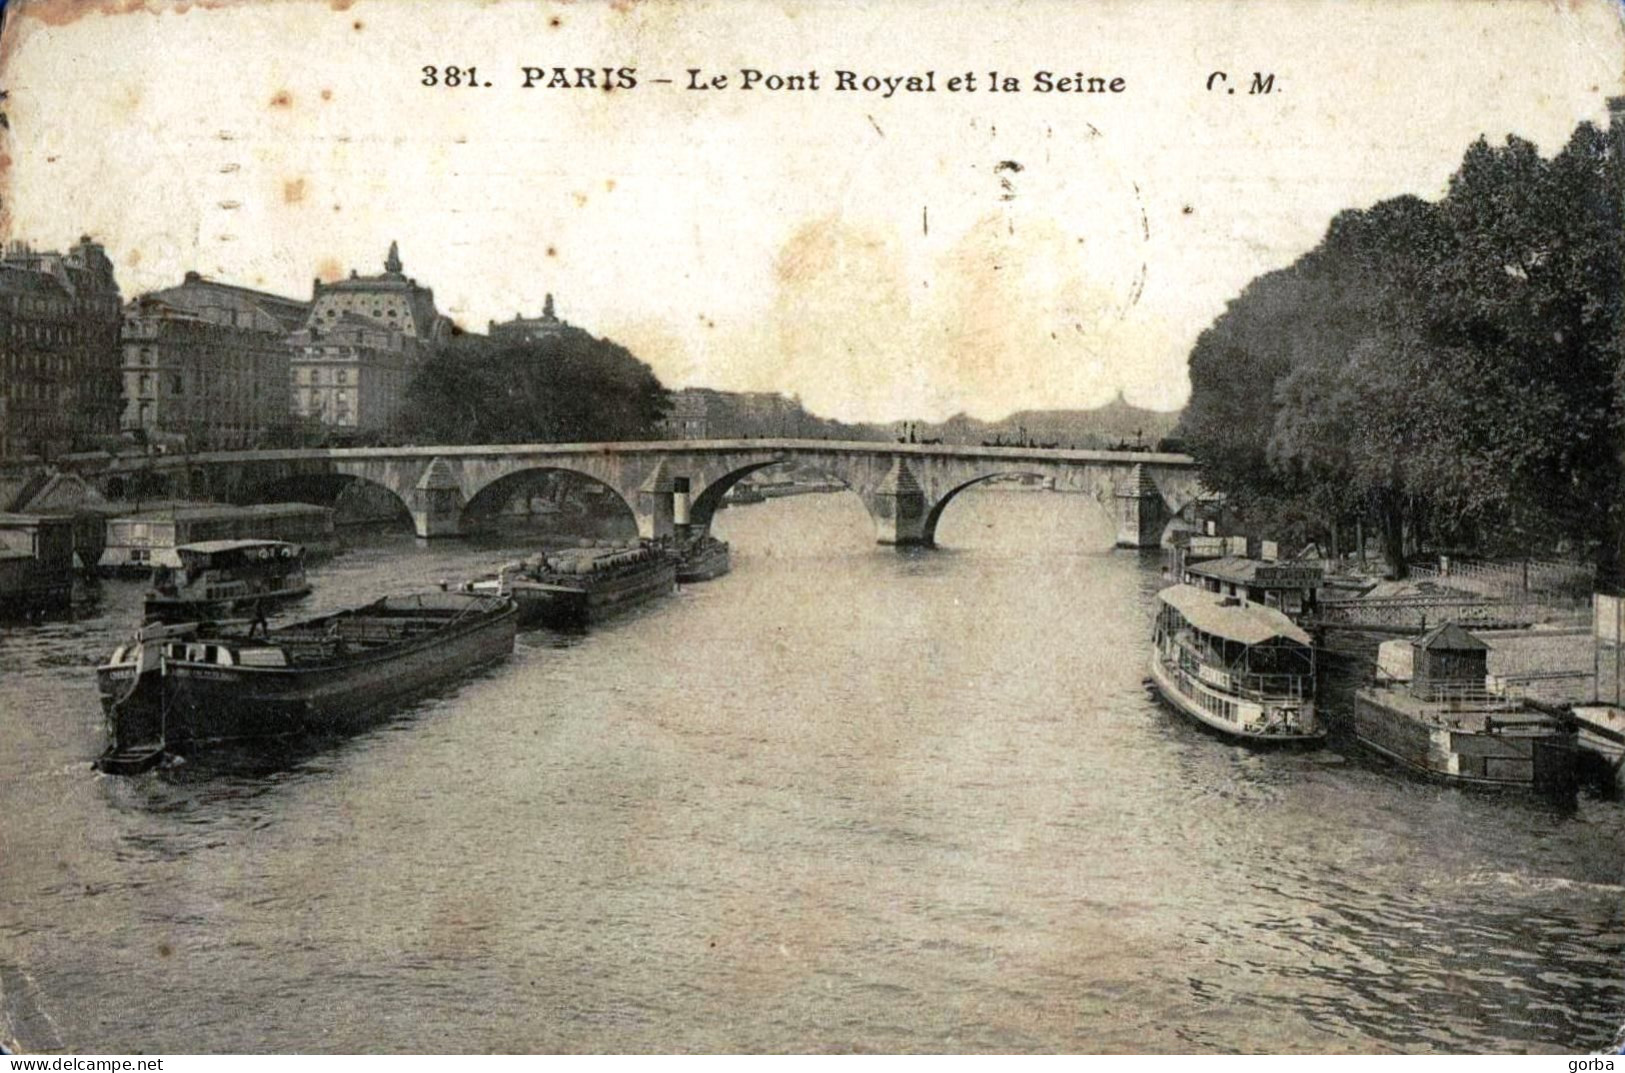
{"x":1444,"y":371}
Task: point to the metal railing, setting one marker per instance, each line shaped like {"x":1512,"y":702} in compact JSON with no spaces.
{"x":1466,"y":696}
{"x":1420,"y":612}
{"x":1264,"y":688}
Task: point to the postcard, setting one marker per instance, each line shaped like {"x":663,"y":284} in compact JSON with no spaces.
{"x":764,"y":526}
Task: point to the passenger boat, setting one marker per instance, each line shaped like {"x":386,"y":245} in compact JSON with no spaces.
{"x":1430,"y":712}
{"x":743,"y":493}
{"x":175,"y":686}
{"x":702,"y":558}
{"x":579,"y":586}
{"x":218,"y":577}
{"x":1243,"y":670}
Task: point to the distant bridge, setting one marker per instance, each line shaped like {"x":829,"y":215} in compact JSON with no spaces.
{"x":448,"y":490}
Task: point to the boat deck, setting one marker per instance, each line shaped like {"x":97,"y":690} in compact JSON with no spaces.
{"x":1471,"y":713}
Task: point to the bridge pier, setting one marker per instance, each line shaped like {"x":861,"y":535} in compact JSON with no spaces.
{"x":437,"y":502}
{"x":1141,"y":512}
{"x":655,"y":504}
{"x":900,"y":509}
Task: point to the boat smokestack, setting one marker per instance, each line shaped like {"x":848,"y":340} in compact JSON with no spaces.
{"x":679,"y":501}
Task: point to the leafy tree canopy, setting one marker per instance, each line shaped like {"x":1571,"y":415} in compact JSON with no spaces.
{"x":1447,"y":370}
{"x":564,"y":388}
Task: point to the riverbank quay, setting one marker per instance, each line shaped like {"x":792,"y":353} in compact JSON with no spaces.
{"x":1559,"y":668}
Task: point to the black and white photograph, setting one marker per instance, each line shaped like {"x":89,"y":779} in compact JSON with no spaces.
{"x":775,"y":527}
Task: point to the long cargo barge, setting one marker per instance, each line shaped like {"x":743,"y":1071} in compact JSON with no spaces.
{"x":176,"y":687}
{"x":578,"y":587}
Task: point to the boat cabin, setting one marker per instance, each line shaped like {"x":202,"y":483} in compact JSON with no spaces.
{"x":1247,"y":649}
{"x":1447,"y":659}
{"x":220,"y":570}
{"x":1289,"y":587}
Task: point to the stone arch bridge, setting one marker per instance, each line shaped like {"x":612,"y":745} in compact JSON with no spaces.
{"x":905,"y":487}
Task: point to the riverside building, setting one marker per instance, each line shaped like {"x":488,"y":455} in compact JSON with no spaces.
{"x":359,"y":347}
{"x":206,"y":364}
{"x":59,"y":350}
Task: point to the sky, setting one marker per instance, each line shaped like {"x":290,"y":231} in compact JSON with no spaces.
{"x":912,"y":255}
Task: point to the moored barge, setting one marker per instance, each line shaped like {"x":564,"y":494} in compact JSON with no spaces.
{"x":140,"y":541}
{"x":1245,"y":671}
{"x":36,"y":564}
{"x":1600,"y":734}
{"x":1430,"y":712}
{"x":184,"y":685}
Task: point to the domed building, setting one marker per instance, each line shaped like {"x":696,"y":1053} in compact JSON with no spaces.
{"x":362,"y":343}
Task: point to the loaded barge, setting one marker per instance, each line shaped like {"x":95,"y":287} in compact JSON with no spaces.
{"x":580,"y":586}
{"x":701,"y":558}
{"x":184,"y":685}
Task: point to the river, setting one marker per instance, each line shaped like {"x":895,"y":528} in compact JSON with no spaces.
{"x":844,"y":798}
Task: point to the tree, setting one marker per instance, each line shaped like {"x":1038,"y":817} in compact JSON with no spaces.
{"x":1451,"y":367}
{"x":567,"y":387}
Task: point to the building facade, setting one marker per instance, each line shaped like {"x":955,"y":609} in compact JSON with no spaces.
{"x":59,"y":350}
{"x":360,"y":345}
{"x":702,"y":413}
{"x":690,"y":415}
{"x":207,"y":364}
{"x":539,"y":328}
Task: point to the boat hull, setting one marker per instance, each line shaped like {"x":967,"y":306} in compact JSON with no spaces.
{"x":184,"y":704}
{"x":1544,"y":762}
{"x":1168,"y":682}
{"x":132,"y":707}
{"x":208,"y":703}
{"x":1601,"y":737}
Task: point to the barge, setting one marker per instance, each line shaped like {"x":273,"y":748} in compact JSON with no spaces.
{"x":1600,"y":732}
{"x":180,"y":686}
{"x":702,"y":559}
{"x":136,"y":543}
{"x":1430,"y":712}
{"x":580,"y":586}
{"x":1244,"y":671}
{"x":36,"y":564}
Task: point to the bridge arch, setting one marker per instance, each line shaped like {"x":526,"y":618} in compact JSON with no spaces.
{"x":482,"y":508}
{"x":329,"y":489}
{"x":934,"y":515}
{"x":704,"y":504}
